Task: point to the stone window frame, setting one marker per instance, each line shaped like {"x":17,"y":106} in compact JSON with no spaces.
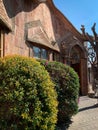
{"x":40,"y":55}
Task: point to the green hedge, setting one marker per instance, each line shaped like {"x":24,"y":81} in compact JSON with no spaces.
{"x":67,"y":87}
{"x":28,"y":100}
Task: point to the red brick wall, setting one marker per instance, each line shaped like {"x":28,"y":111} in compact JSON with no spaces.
{"x":22,"y":13}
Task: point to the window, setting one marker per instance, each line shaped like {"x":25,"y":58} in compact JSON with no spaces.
{"x":37,"y":52}
{"x":44,"y":54}
{"x":40,"y":53}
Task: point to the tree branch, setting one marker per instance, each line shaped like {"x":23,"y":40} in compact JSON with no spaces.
{"x":83,"y":29}
{"x":90,"y":39}
{"x":94,"y":32}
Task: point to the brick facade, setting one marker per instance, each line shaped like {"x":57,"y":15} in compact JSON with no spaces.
{"x":40,"y":23}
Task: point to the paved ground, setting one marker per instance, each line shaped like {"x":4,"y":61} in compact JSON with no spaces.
{"x":87,"y":118}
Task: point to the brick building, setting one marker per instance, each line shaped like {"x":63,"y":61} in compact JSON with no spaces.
{"x":36,"y":28}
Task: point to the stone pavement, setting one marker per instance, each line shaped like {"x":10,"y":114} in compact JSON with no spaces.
{"x":87,"y":117}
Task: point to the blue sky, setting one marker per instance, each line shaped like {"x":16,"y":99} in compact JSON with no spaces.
{"x":80,"y":12}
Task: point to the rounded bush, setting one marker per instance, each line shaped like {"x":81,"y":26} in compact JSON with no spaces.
{"x":28,"y":99}
{"x":67,"y":87}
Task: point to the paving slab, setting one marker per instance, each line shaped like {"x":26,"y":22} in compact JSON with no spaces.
{"x":87,"y":117}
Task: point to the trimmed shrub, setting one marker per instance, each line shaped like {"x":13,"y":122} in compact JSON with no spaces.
{"x":67,"y":87}
{"x":28,"y":100}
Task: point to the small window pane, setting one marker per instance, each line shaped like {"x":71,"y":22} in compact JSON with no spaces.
{"x":37,"y":52}
{"x":44,"y":54}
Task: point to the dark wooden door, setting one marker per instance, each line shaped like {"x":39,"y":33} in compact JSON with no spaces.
{"x":77,"y":68}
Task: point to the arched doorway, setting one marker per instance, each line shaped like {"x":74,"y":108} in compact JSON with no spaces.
{"x":75,"y":55}
{"x":75,"y":63}
{"x":78,"y":61}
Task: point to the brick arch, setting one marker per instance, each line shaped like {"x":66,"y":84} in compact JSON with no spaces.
{"x":80,"y":67}
{"x":78,"y":47}
{"x":78,"y":60}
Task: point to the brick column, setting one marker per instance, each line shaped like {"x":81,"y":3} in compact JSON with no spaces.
{"x":84,"y":77}
{"x":50,"y":56}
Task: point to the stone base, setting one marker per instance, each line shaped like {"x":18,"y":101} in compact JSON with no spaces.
{"x":91,"y":95}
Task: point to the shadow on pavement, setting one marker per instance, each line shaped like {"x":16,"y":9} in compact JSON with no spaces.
{"x":90,"y":107}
